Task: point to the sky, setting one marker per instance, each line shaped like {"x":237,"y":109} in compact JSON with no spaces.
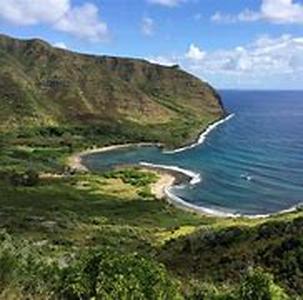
{"x":238,"y":44}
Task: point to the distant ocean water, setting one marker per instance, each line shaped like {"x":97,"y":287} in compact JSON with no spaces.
{"x":251,"y":164}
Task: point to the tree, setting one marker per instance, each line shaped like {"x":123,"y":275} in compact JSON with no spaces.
{"x":258,"y":285}
{"x":107,"y":275}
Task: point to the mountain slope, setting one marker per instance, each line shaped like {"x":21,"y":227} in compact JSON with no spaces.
{"x":41,"y":85}
{"x":223,"y":255}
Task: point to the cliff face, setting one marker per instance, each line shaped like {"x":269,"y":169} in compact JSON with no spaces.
{"x":42,"y":85}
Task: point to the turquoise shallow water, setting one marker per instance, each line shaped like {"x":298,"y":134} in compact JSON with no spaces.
{"x":251,"y":164}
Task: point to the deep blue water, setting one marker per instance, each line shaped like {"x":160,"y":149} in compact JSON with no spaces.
{"x":264,"y":142}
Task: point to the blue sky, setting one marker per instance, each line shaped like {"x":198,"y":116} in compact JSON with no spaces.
{"x":251,"y":44}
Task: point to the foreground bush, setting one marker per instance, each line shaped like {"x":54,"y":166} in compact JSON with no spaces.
{"x":24,"y":268}
{"x":255,"y":285}
{"x":258,"y":285}
{"x":33,"y":271}
{"x":222,"y":255}
{"x":26,"y":271}
{"x":103,"y":275}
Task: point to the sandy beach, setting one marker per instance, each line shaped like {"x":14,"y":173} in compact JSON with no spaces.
{"x":165,"y":181}
{"x":75,"y":161}
{"x":167,"y":178}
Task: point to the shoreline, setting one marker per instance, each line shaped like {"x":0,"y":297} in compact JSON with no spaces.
{"x":173,"y":176}
{"x":180,"y":203}
{"x":190,"y":176}
{"x":167,"y":179}
{"x":75,"y":161}
{"x":202,"y":136}
{"x":180,"y":177}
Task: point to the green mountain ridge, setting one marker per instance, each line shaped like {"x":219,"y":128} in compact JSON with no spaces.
{"x":41,"y":85}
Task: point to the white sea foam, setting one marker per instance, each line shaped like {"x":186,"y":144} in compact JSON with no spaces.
{"x":202,"y":136}
{"x":220,"y":213}
{"x":195,"y":178}
{"x":179,"y":201}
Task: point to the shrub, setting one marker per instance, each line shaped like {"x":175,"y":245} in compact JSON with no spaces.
{"x":104,"y":275}
{"x":27,"y":270}
{"x":258,"y":285}
{"x":207,"y":291}
{"x":27,"y":178}
{"x":133,"y":176}
{"x":24,"y":268}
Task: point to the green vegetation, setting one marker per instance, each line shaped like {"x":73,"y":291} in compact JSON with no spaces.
{"x":254,"y":285}
{"x":93,"y":274}
{"x":62,"y":233}
{"x":49,"y":92}
{"x":274,"y":245}
{"x":109,"y":274}
{"x":133,"y":177}
{"x":71,"y":235}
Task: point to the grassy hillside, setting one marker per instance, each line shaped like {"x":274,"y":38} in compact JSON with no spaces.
{"x":42,"y":86}
{"x":105,"y":236}
{"x":222,"y":255}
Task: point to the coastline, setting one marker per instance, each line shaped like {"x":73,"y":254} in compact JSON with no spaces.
{"x":179,"y":176}
{"x":180,"y":203}
{"x":202,"y":136}
{"x":172,"y":176}
{"x":190,"y":176}
{"x":75,"y":161}
{"x":167,"y":179}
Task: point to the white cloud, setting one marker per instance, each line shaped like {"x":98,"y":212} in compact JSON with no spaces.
{"x":282,"y":11}
{"x":60,"y":45}
{"x":31,"y":12}
{"x":275,"y":11}
{"x":81,"y":21}
{"x":220,"y":17}
{"x":195,"y":53}
{"x":263,"y":57}
{"x":266,"y":62}
{"x":169,"y":3}
{"x":244,"y":16}
{"x":248,"y":16}
{"x":147,"y":26}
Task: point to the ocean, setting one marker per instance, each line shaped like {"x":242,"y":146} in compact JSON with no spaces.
{"x":251,"y":164}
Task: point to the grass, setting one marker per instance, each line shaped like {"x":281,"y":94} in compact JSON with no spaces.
{"x":69,"y":213}
{"x":47,"y":91}
{"x":80,"y":199}
{"x":88,"y":211}
{"x":113,"y":210}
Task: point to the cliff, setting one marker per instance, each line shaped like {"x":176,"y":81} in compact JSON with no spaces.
{"x":45,"y":86}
